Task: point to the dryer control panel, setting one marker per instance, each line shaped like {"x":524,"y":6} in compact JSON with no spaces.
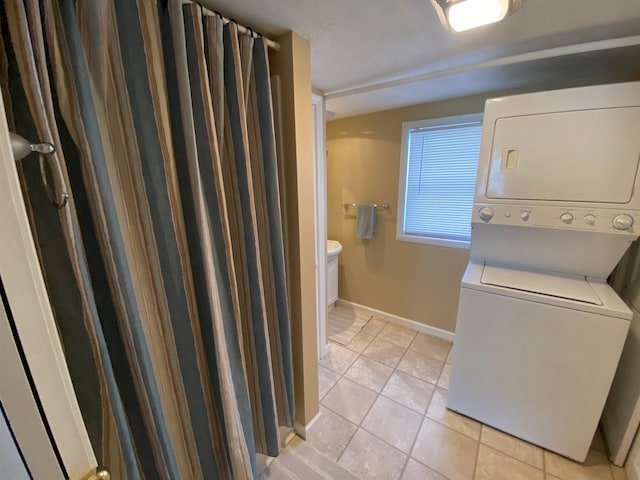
{"x":542,"y":216}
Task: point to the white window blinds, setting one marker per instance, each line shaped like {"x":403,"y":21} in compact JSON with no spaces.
{"x":441,"y":175}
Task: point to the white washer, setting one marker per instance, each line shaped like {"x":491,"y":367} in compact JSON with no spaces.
{"x":535,"y":354}
{"x":539,"y":332}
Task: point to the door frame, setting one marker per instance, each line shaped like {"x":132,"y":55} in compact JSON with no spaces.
{"x":34,"y":322}
{"x":19,"y":403}
{"x":320,"y":214}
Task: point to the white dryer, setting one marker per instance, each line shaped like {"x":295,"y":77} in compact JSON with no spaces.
{"x":539,"y":332}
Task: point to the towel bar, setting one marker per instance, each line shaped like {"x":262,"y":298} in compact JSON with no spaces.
{"x":375,"y":205}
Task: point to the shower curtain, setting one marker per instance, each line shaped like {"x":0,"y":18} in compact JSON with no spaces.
{"x":166,"y":270}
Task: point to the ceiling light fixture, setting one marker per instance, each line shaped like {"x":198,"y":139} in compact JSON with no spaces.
{"x":461,"y":15}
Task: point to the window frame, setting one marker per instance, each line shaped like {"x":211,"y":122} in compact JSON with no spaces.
{"x":402,"y":188}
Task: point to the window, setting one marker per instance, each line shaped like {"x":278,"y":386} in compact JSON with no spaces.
{"x":437,"y":180}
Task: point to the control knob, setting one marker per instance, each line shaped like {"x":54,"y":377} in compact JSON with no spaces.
{"x":486,"y":213}
{"x":524,"y":215}
{"x":566,"y":218}
{"x":590,"y":219}
{"x":623,"y":222}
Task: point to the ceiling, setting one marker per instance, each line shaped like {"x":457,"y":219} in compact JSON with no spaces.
{"x":370,"y":55}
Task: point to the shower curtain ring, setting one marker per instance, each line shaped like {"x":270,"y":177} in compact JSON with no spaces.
{"x":51,"y":190}
{"x":21,"y":147}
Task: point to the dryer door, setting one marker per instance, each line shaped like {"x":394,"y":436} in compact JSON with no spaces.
{"x":576,"y":156}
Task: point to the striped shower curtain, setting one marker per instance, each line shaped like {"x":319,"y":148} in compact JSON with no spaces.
{"x":166,"y":269}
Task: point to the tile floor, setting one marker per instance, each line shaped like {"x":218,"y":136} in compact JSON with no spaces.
{"x":383,"y":403}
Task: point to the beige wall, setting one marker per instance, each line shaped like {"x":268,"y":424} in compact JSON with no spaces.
{"x":293,"y":64}
{"x":418,"y":282}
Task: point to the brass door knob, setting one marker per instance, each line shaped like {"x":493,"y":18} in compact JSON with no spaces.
{"x":99,"y":473}
{"x":102,"y":473}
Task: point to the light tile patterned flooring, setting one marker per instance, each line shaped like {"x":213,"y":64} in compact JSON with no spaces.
{"x":384,"y":416}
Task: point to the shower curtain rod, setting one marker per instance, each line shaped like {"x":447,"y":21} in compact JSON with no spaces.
{"x":241,"y":28}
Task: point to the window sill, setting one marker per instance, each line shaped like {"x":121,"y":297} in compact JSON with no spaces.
{"x":438,"y":242}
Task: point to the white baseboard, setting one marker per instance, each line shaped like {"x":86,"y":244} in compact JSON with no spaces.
{"x":324,"y":351}
{"x":302,"y":430}
{"x":401,"y":321}
{"x":263,"y":461}
{"x":286,"y":434}
{"x":632,"y":465}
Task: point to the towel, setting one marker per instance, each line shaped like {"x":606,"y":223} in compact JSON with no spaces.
{"x":366,"y":221}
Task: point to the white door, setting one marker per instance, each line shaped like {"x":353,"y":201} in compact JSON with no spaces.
{"x":25,"y":447}
{"x":320,"y":214}
{"x":11,"y":461}
{"x":35,"y":329}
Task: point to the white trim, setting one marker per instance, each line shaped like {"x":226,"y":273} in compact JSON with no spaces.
{"x":600,"y":45}
{"x":438,"y":121}
{"x":302,"y":430}
{"x":22,"y":411}
{"x":401,"y":321}
{"x":288,"y":436}
{"x":264,"y":461}
{"x":439,"y":242}
{"x":320,"y":214}
{"x":401,"y":236}
{"x":29,"y":302}
{"x":323,"y":351}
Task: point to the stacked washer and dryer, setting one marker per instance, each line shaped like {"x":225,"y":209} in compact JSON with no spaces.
{"x":539,"y":331}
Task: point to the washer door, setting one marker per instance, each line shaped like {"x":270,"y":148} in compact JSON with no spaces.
{"x":571,"y":287}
